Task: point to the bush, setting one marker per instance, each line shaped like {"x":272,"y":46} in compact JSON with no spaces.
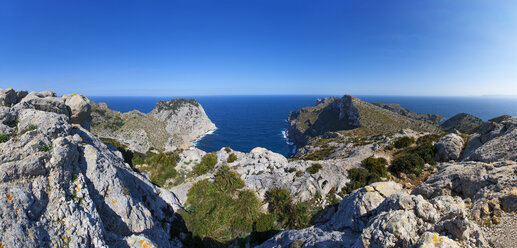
{"x":228,"y":149}
{"x":314,"y":168}
{"x":207,"y":164}
{"x":228,"y":180}
{"x":222,"y":213}
{"x":299,"y":173}
{"x":160,"y":165}
{"x":425,"y":151}
{"x":408,"y":164}
{"x":376,"y":166}
{"x":320,"y":154}
{"x":44,"y":148}
{"x":266,"y":222}
{"x":404,"y":142}
{"x":430,"y":138}
{"x":231,"y":158}
{"x":359,"y":178}
{"x":290,"y":215}
{"x":4,"y":138}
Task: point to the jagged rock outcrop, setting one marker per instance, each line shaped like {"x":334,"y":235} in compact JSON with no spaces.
{"x":449,"y":147}
{"x":171,"y":125}
{"x":494,"y":142}
{"x":395,"y":107}
{"x":464,"y":123}
{"x":350,"y":116}
{"x":60,"y":186}
{"x":380,"y":215}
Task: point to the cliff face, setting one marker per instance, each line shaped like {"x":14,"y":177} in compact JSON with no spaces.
{"x":60,"y":186}
{"x":171,"y":125}
{"x":350,"y":115}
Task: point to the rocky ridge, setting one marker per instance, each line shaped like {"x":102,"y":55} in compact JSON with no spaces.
{"x":60,"y":186}
{"x":171,"y":125}
{"x":352,"y":117}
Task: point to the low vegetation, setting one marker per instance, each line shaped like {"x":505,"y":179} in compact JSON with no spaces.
{"x":161,"y":166}
{"x":404,"y":142}
{"x":206,"y":165}
{"x":374,"y":169}
{"x":289,"y":214}
{"x":231,"y":158}
{"x":222,"y":210}
{"x":408,"y":164}
{"x":314,"y":168}
{"x":4,"y":137}
{"x":412,"y":160}
{"x":320,"y":154}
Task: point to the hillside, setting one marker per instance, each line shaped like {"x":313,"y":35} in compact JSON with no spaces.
{"x":171,"y":125}
{"x":350,"y":116}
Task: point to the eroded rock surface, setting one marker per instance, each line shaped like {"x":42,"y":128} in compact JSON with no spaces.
{"x":60,"y":186}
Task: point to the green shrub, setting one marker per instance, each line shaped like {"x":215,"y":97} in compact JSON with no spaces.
{"x":32,"y":127}
{"x":359,"y":178}
{"x":219,"y":212}
{"x":266,"y":222}
{"x":314,"y":168}
{"x":207,"y":164}
{"x":160,"y":165}
{"x":430,"y":138}
{"x":290,"y":215}
{"x":425,"y":151}
{"x":376,"y":166}
{"x":299,"y":173}
{"x":228,"y":180}
{"x":408,"y":164}
{"x":228,"y":149}
{"x":231,"y":158}
{"x":4,"y":137}
{"x":44,"y":148}
{"x":404,"y":142}
{"x":320,"y":154}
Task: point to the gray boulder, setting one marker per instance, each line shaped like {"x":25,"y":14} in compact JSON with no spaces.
{"x":44,"y":102}
{"x":80,"y":109}
{"x":8,"y":97}
{"x":449,"y":147}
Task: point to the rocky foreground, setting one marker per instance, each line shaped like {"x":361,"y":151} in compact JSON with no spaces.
{"x":61,"y":186}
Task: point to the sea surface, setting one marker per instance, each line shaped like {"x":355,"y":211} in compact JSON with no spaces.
{"x":246,"y":122}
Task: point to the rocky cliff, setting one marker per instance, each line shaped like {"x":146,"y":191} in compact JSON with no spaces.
{"x":171,"y":125}
{"x":60,"y":186}
{"x":350,"y":116}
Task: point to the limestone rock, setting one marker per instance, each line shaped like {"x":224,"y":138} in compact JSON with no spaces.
{"x":355,"y":211}
{"x":80,"y":109}
{"x":449,"y":147}
{"x":62,"y":187}
{"x":496,"y":142}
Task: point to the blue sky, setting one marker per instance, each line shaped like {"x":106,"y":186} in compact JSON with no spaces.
{"x":174,"y":48}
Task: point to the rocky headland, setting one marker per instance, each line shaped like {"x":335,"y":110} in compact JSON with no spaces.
{"x":171,"y":125}
{"x":365,"y":175}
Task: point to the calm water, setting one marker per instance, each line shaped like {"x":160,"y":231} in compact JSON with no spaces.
{"x":245,"y":122}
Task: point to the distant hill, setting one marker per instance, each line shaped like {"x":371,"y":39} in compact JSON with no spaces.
{"x":463,"y":122}
{"x":352,"y":116}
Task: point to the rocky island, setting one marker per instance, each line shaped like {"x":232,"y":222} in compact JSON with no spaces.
{"x":74,"y":173}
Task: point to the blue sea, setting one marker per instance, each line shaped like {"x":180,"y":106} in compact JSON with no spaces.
{"x":246,"y":122}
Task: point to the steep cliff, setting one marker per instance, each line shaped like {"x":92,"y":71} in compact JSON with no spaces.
{"x":171,"y":125}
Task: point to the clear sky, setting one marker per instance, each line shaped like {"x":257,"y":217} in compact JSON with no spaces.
{"x":192,"y":47}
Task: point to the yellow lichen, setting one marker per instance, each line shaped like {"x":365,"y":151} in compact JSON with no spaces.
{"x":114,"y":201}
{"x":9,"y":197}
{"x":77,"y":188}
{"x":2,"y":245}
{"x":141,"y":242}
